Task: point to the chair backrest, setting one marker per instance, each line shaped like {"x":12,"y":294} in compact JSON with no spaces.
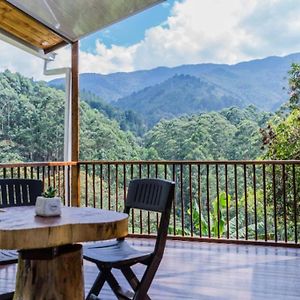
{"x":149,"y":194}
{"x":19,"y":192}
{"x":153,"y":195}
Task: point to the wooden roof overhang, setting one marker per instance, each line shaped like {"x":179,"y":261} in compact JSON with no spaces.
{"x":20,"y":27}
{"x":43,"y":26}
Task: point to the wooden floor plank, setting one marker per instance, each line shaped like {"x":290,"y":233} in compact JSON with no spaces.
{"x":192,"y":270}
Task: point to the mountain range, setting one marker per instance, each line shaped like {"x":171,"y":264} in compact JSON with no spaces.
{"x":181,"y":94}
{"x":168,"y":92}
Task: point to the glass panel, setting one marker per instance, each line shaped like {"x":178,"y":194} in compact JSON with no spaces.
{"x":74,"y":19}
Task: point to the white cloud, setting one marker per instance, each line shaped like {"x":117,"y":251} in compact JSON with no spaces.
{"x":16,"y":60}
{"x":218,"y":31}
{"x":106,"y":59}
{"x":221,"y":31}
{"x":274,"y":26}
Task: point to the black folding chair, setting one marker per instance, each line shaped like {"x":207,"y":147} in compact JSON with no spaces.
{"x":147,"y":194}
{"x":16,"y":192}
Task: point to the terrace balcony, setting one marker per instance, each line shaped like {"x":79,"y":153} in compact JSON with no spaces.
{"x":234,"y":229}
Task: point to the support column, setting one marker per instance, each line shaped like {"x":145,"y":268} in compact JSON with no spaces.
{"x":75,"y":174}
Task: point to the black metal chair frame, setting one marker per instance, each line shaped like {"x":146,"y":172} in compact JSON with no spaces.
{"x":16,"y":192}
{"x":147,"y":194}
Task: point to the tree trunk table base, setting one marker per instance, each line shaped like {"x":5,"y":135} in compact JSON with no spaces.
{"x":52,"y":273}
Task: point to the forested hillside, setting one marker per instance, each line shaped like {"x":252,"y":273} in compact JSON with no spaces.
{"x":32,"y":122}
{"x":230,"y":134}
{"x":32,"y":117}
{"x":179,"y":95}
{"x":128,"y":120}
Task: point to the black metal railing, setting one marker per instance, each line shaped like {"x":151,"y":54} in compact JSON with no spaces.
{"x":241,"y":201}
{"x":232,"y":201}
{"x":55,"y":174}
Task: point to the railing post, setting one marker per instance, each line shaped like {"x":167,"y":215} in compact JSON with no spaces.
{"x":75,"y":171}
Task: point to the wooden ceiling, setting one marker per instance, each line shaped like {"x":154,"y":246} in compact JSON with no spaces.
{"x":20,"y":25}
{"x":41,"y":27}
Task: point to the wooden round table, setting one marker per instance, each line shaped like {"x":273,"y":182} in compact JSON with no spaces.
{"x":50,"y":261}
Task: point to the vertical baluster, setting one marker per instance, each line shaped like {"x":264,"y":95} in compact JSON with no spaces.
{"x":132,"y":211}
{"x":49,"y":175}
{"x":295,"y":204}
{"x":31,"y":173}
{"x":25,"y":172}
{"x":59,"y":180}
{"x":207,"y":200}
{"x":108,"y":186}
{"x":140,"y":212}
{"x":182,"y":199}
{"x":218,"y":199}
{"x":62,"y":183}
{"x":69,"y":185}
{"x":117,"y":187}
{"x":246,"y":201}
{"x":199,"y":200}
{"x":94,"y":184}
{"x":19,"y":172}
{"x":4,"y":172}
{"x":80,"y":187}
{"x":131,"y":171}
{"x":43,"y":176}
{"x":236,"y":203}
{"x":265,"y":202}
{"x":156,"y":176}
{"x":54,"y":176}
{"x":12,"y":172}
{"x":38,"y":172}
{"x":274,"y":200}
{"x":227,"y":204}
{"x":255,"y":200}
{"x":191,"y":200}
{"x":284,"y":201}
{"x":86,"y":186}
{"x":101,"y":186}
{"x":166,"y":171}
{"x":174,"y":202}
{"x":124,"y":182}
{"x":148,"y":213}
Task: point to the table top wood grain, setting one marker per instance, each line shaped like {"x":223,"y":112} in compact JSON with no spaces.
{"x":20,"y":228}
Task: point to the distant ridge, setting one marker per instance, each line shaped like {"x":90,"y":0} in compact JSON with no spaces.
{"x":259,"y":82}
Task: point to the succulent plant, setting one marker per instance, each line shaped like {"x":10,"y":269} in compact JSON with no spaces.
{"x":50,"y":192}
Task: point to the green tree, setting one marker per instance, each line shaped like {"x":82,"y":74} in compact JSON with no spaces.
{"x":32,"y":125}
{"x":229,"y":134}
{"x":282,"y":135}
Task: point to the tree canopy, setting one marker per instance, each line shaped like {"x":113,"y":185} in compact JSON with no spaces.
{"x":230,"y":134}
{"x":32,"y":125}
{"x":282,"y":135}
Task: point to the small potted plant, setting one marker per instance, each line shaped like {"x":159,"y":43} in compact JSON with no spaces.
{"x":48,"y":205}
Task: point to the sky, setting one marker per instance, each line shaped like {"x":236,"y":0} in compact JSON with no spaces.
{"x":178,"y":32}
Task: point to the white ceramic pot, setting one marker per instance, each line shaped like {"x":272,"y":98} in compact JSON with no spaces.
{"x":48,"y":207}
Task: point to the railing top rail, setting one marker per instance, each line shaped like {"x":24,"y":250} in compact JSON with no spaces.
{"x":151,"y":162}
{"x":39,"y":164}
{"x":189,"y":162}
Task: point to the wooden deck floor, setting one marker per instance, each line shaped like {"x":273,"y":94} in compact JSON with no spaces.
{"x":193,"y":270}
